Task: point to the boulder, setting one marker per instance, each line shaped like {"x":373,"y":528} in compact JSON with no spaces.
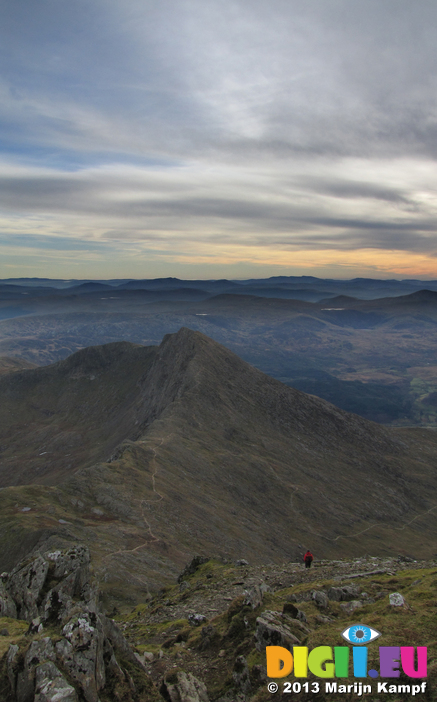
{"x":320,"y":598}
{"x":396,"y":599}
{"x":343,"y":594}
{"x":253,"y":596}
{"x":183,"y":687}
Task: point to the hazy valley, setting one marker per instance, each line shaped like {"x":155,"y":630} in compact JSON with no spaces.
{"x":374,"y":356}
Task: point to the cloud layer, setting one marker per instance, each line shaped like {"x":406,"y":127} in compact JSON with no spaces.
{"x":218,"y":138}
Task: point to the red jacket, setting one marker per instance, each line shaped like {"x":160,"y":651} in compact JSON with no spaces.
{"x":308,"y":556}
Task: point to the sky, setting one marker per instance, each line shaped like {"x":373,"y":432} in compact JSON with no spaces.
{"x":218,"y":138}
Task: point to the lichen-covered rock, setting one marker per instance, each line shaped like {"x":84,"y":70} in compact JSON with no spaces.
{"x":24,"y":585}
{"x":51,"y":686}
{"x":196,"y":619}
{"x":396,"y":599}
{"x":81,"y":653}
{"x":70,"y":561}
{"x":271,"y":631}
{"x":184,"y":687}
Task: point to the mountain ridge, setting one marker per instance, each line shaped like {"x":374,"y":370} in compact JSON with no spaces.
{"x":185,"y":447}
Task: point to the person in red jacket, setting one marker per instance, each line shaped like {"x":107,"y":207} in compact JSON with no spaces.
{"x":308,"y":559}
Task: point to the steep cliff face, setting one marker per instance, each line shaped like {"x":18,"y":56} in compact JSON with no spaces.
{"x":150,"y":454}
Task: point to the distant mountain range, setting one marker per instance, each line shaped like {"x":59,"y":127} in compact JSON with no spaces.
{"x":375,"y":357}
{"x":151,"y":454}
{"x":306,"y":288}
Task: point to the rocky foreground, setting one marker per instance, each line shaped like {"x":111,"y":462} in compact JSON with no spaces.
{"x":204,"y":638}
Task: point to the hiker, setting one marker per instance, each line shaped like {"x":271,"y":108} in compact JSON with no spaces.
{"x":308,"y":559}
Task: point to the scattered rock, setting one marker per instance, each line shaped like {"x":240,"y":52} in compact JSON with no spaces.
{"x":4,"y":632}
{"x":396,"y":599}
{"x":241,"y":562}
{"x":343,"y":594}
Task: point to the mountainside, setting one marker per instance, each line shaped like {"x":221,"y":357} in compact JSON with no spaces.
{"x":185,"y":448}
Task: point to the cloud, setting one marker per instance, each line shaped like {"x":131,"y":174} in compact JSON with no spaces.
{"x":283,"y":126}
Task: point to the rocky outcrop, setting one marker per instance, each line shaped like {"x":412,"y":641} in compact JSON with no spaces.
{"x":88,"y":653}
{"x":272,"y":631}
{"x":183,"y":687}
{"x":192,"y":566}
{"x":241,"y":675}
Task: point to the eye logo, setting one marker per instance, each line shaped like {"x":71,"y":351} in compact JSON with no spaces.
{"x":360,"y":634}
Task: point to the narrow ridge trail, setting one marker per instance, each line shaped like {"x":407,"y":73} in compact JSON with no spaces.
{"x":153,"y":537}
